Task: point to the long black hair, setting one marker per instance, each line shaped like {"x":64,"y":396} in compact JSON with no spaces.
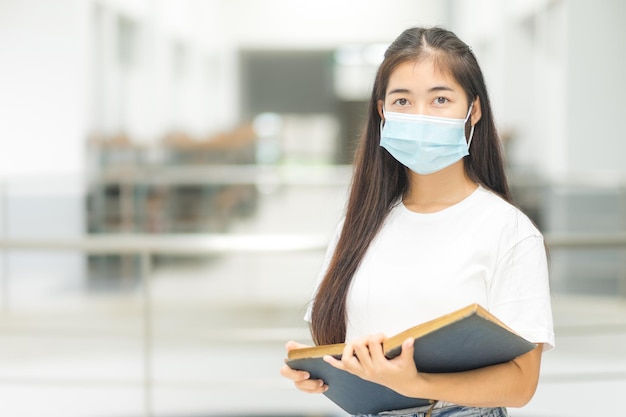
{"x":379,"y":180}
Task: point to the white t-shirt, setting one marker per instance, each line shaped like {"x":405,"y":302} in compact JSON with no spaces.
{"x":420,"y":266}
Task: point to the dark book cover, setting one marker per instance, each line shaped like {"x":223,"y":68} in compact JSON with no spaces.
{"x":469,"y":338}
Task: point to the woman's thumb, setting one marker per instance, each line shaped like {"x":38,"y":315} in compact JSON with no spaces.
{"x":407,"y":349}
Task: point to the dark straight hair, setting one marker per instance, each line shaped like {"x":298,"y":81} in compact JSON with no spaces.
{"x":379,"y":181}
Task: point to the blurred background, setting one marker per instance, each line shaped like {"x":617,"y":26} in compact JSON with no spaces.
{"x":171,"y":171}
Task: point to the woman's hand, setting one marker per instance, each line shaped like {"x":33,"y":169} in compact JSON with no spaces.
{"x":301,"y":379}
{"x":365,"y":358}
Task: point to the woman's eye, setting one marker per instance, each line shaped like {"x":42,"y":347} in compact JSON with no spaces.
{"x":401,"y":102}
{"x":441,"y":100}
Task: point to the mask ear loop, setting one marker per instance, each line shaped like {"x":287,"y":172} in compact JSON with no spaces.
{"x":471,"y":135}
{"x":469,"y":142}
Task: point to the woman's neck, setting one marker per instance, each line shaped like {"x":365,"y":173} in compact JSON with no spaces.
{"x":438,"y":191}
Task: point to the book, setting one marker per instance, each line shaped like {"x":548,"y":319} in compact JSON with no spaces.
{"x":466,"y":339}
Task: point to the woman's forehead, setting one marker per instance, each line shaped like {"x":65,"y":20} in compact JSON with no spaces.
{"x":422,"y":74}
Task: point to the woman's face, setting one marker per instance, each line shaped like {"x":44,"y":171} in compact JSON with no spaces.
{"x":421,"y":88}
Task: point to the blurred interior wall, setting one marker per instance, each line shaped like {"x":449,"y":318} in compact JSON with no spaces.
{"x":158,"y":67}
{"x":42,"y":82}
{"x":521,"y":47}
{"x":327,"y":24}
{"x":554,"y":72}
{"x":596,"y":86}
{"x":43,"y":125}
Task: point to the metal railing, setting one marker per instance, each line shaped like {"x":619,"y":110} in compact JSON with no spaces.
{"x":147,"y":246}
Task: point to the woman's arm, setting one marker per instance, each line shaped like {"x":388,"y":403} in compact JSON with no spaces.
{"x":511,"y":384}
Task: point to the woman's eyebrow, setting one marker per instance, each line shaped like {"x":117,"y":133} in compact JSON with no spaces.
{"x":440,"y":88}
{"x":430,"y":90}
{"x":399,"y":91}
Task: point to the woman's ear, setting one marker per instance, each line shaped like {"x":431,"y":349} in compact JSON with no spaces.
{"x":380,"y":109}
{"x":476,"y":112}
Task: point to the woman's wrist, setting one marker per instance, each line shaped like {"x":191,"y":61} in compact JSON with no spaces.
{"x":415,"y":387}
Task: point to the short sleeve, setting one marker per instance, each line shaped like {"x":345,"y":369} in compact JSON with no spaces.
{"x":519,"y":294}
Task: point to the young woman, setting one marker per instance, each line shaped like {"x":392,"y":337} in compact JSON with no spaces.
{"x":430,"y":228}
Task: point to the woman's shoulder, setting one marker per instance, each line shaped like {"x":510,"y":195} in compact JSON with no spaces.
{"x":492,"y":197}
{"x":492,"y":201}
{"x":498,"y":210}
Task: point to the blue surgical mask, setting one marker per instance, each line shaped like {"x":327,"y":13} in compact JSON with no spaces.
{"x":425,"y":144}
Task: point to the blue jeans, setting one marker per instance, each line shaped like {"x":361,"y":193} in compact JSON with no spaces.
{"x":454,"y":411}
{"x":459,"y":411}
